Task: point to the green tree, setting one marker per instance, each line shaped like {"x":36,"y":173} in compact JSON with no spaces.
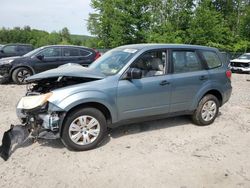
{"x":65,"y":34}
{"x":120,"y":22}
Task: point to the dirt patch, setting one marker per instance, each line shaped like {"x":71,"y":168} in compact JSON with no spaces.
{"x":165,"y":153}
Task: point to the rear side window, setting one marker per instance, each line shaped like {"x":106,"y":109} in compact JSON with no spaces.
{"x":23,"y":49}
{"x":185,"y":61}
{"x":69,"y":52}
{"x":85,"y":53}
{"x":9,"y":49}
{"x":212,"y":59}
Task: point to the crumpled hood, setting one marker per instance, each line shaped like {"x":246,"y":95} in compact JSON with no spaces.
{"x":67,"y":70}
{"x":241,"y":60}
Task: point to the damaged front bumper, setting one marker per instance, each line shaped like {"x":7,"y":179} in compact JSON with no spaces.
{"x":43,"y":121}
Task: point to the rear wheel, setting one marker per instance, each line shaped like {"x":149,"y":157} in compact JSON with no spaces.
{"x":84,"y":129}
{"x":20,"y":74}
{"x":206,"y":111}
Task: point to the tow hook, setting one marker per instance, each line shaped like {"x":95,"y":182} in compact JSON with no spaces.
{"x":17,"y":134}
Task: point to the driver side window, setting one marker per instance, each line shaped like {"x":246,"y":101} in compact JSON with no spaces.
{"x":51,"y":52}
{"x":151,"y":63}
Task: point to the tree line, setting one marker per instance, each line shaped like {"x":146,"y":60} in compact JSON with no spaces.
{"x":224,"y":24}
{"x":41,"y":38}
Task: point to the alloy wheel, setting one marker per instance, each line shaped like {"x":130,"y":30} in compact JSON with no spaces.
{"x":209,"y":110}
{"x":84,"y":130}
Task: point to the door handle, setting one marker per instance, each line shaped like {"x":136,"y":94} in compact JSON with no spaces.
{"x":164,"y":82}
{"x":203,"y":78}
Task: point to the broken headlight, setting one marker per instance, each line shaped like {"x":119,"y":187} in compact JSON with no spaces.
{"x":31,"y":102}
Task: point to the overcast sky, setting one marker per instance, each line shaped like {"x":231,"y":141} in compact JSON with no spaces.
{"x":49,"y":15}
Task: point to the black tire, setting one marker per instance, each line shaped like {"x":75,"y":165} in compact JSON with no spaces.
{"x":93,"y":112}
{"x":19,"y":75}
{"x":197,"y":115}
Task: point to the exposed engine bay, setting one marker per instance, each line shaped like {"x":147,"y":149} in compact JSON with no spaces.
{"x":49,"y":84}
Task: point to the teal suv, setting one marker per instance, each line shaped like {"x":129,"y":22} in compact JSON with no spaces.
{"x":127,"y":84}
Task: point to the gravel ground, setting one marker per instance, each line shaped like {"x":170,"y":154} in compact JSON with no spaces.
{"x":166,"y":153}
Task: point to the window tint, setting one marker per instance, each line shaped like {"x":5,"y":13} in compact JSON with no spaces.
{"x":9,"y":49}
{"x":70,"y":52}
{"x":212,"y":59}
{"x":84,"y":53}
{"x":185,"y":61}
{"x":51,"y":52}
{"x":151,"y":63}
{"x":23,"y":49}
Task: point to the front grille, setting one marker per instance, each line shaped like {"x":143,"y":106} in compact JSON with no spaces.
{"x":238,"y":64}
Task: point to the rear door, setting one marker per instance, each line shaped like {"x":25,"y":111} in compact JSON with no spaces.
{"x":52,"y":58}
{"x":188,"y":77}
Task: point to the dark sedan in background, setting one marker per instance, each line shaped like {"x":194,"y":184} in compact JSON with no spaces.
{"x":42,"y":59}
{"x":10,"y":50}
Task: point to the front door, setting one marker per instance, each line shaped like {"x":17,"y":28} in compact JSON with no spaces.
{"x":52,"y":58}
{"x":149,"y":95}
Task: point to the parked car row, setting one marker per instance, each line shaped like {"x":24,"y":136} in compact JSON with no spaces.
{"x":18,"y":68}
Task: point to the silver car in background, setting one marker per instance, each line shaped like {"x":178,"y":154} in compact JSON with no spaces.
{"x":241,"y":64}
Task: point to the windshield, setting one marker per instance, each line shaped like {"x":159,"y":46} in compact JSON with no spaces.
{"x":245,"y":56}
{"x":113,"y":61}
{"x":33,"y":52}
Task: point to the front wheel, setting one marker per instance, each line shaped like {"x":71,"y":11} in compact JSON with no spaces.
{"x":20,"y":74}
{"x":84,"y":129}
{"x":206,"y":111}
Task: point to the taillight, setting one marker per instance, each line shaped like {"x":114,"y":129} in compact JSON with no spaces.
{"x":97,"y":54}
{"x":229,"y":74}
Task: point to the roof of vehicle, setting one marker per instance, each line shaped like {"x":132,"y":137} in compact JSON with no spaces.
{"x":155,"y":45}
{"x":65,"y":46}
{"x":16,"y":44}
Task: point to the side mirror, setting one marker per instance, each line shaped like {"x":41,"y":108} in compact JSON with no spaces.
{"x":134,"y":73}
{"x":2,"y":51}
{"x":40,"y":57}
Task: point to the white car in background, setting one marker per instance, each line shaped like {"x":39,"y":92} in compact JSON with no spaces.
{"x":241,"y":64}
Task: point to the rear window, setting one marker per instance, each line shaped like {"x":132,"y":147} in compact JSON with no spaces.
{"x":84,"y":53}
{"x":24,"y":49}
{"x":69,"y":52}
{"x":212,"y":59}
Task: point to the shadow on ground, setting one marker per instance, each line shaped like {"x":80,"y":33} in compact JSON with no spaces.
{"x":120,"y":131}
{"x":149,"y":126}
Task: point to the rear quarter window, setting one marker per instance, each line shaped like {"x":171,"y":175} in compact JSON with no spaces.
{"x":212,"y":59}
{"x":85,"y":53}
